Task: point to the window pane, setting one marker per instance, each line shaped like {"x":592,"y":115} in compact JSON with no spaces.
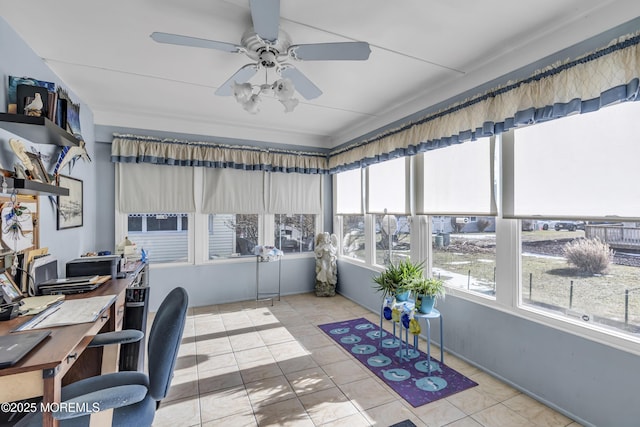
{"x":134,"y":223}
{"x":565,"y":270}
{"x":353,"y":241}
{"x":162,"y":223}
{"x":295,"y":233}
{"x":392,"y":231}
{"x":232,"y":235}
{"x":163,"y":236}
{"x":464,"y":252}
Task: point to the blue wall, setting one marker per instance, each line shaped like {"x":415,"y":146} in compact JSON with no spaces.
{"x":19,"y":60}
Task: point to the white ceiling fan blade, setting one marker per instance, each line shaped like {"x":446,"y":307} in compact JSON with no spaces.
{"x":348,"y":51}
{"x":194,"y":42}
{"x":266,"y":18}
{"x":303,"y":85}
{"x":241,"y":76}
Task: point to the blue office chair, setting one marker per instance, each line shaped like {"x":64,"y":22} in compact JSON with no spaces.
{"x":133,"y":395}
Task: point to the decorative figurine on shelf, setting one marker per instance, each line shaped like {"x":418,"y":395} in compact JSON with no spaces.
{"x":326,"y":251}
{"x":34,"y":106}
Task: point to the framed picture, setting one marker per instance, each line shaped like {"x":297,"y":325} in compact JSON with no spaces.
{"x":38,"y":173}
{"x":70,"y":207}
{"x":9,"y":289}
{"x":12,"y":90}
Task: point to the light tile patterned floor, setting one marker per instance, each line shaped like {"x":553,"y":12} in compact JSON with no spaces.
{"x":251,"y":364}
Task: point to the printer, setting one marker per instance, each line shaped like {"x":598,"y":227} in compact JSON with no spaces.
{"x":101,"y":265}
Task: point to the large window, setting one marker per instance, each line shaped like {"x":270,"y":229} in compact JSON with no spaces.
{"x":388,"y":200}
{"x":580,"y":238}
{"x":163,"y":236}
{"x":235,"y":211}
{"x":464,"y":252}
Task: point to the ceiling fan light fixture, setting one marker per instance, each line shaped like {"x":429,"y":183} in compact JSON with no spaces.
{"x":289,"y":104}
{"x":284,"y":89}
{"x":242,"y":92}
{"x":266,"y":89}
{"x":252,"y":105}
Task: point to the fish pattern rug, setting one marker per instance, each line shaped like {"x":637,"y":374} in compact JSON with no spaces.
{"x":409,"y":376}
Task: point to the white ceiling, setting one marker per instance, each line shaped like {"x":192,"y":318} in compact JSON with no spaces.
{"x":422,"y":52}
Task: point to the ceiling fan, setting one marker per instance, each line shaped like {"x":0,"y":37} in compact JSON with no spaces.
{"x":270,"y":47}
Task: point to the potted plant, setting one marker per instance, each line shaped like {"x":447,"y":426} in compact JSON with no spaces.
{"x":426,"y":291}
{"x":393,"y":281}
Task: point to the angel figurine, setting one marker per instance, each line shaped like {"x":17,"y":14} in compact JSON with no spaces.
{"x":326,"y":250}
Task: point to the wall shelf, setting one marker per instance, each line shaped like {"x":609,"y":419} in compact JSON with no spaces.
{"x":35,"y":188}
{"x":38,"y":130}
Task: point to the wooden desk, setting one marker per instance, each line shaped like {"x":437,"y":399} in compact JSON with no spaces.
{"x":63,"y":357}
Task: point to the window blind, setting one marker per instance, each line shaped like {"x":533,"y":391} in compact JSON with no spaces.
{"x":349,"y":192}
{"x":233,"y":191}
{"x":149,"y":188}
{"x":297,"y":193}
{"x":458,"y":180}
{"x":559,"y":166}
{"x":388,"y":187}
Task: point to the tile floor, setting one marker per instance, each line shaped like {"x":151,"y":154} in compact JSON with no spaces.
{"x":251,"y":364}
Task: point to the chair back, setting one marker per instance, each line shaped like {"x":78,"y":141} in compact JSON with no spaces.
{"x":164,"y":341}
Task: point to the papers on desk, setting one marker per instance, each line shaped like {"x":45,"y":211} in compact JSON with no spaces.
{"x":36,"y":305}
{"x":70,"y":312}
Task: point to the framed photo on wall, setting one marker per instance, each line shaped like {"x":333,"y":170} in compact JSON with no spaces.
{"x":70,"y":207}
{"x":8,"y":288}
{"x":39,"y":173}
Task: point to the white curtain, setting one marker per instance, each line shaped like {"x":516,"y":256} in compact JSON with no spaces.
{"x":294,"y":193}
{"x":233,"y":191}
{"x":348,"y":190}
{"x":147,"y":188}
{"x":458,"y":180}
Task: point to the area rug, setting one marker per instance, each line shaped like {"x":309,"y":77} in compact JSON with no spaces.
{"x":409,"y":378}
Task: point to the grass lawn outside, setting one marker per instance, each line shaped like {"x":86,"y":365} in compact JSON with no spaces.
{"x":547,"y":279}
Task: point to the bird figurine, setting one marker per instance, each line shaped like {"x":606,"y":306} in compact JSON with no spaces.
{"x":20,"y":151}
{"x":34,"y":108}
{"x":69,"y":155}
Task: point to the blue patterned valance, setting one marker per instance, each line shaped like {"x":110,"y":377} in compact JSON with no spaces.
{"x":145,"y":149}
{"x":601,"y":78}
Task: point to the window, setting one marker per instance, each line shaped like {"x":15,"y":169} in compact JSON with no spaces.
{"x":393,"y":243}
{"x":353,"y":237}
{"x":580,"y":234}
{"x":584,"y":270}
{"x":348,"y":208}
{"x":464,"y":252}
{"x":163,"y":236}
{"x":295,"y":233}
{"x":232,"y":235}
